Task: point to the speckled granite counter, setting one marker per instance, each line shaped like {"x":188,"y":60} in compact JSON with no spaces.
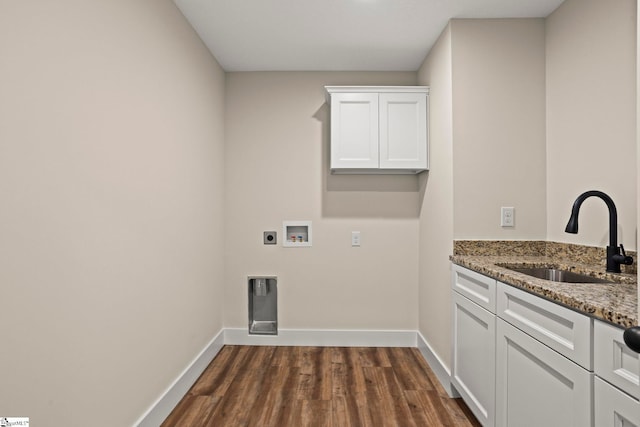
{"x":615,"y":302}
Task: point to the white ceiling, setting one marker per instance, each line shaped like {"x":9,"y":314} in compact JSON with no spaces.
{"x":339,"y":35}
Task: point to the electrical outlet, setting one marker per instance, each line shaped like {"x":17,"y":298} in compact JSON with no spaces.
{"x":270,"y":237}
{"x":507,"y":217}
{"x":355,"y":238}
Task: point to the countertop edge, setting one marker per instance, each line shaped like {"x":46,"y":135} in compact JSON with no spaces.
{"x":615,"y":303}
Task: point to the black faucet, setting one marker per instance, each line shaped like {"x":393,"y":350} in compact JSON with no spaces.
{"x":614,"y":257}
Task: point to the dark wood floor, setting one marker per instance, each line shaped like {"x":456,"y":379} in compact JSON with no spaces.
{"x":318,"y":386}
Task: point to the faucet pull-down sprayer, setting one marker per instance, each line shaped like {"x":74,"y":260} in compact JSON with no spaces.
{"x":614,"y":257}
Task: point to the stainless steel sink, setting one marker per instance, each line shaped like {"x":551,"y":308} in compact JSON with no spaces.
{"x":557,"y":275}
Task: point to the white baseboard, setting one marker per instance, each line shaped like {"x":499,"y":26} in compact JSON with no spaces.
{"x":162,"y":407}
{"x":437,"y":366}
{"x":323,"y":338}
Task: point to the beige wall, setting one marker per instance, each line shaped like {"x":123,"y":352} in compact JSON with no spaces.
{"x":436,"y":214}
{"x":498,"y":127}
{"x":480,"y":71}
{"x":591,"y":119}
{"x":545,"y":127}
{"x":276,"y":165}
{"x":111,"y":183}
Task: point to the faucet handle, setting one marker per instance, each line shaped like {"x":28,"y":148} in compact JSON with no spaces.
{"x":627,"y":260}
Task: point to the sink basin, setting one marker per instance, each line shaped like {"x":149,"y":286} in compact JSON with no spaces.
{"x":557,"y":275}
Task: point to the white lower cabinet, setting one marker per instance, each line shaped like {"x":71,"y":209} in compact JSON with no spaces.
{"x":474,"y":342}
{"x":520,"y":360}
{"x":536,"y":386}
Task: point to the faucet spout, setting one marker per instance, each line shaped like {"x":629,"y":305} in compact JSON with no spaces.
{"x":572,"y":225}
{"x":614,"y":258}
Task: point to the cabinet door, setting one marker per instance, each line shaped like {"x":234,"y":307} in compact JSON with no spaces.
{"x":536,"y":386}
{"x":403,"y":131}
{"x":354,"y":130}
{"x":613,"y":408}
{"x":474,"y":352}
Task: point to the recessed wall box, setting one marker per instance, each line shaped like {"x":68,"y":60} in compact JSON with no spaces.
{"x":296,"y":234}
{"x":263,"y":305}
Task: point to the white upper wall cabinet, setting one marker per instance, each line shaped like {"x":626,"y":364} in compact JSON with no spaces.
{"x":379,"y":129}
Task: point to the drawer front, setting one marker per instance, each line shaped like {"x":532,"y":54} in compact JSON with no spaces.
{"x":613,"y":360}
{"x":614,"y":408}
{"x":478,"y":288}
{"x":564,"y":330}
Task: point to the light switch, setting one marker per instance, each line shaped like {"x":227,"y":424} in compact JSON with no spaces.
{"x":355,"y":238}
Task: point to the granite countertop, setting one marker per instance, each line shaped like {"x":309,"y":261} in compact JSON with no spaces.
{"x":615,"y":302}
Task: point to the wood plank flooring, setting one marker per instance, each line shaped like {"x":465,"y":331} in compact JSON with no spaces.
{"x":318,"y":386}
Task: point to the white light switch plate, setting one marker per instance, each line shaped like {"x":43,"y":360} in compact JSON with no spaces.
{"x":355,"y":238}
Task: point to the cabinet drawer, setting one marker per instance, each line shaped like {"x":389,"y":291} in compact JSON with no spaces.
{"x":613,"y":360}
{"x":564,"y":330}
{"x":478,"y":288}
{"x":614,"y":408}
